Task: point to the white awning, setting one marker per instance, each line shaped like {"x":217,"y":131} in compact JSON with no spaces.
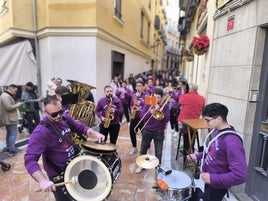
{"x":17,"y":64}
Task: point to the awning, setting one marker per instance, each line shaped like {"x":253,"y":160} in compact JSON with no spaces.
{"x":17,"y":64}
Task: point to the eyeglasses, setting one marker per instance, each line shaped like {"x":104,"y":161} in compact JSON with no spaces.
{"x":208,"y":120}
{"x":55,"y":114}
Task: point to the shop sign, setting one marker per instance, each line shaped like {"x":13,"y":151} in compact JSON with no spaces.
{"x":230,"y":23}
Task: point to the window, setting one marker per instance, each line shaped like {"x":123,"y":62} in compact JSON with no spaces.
{"x":118,"y":8}
{"x":145,"y":27}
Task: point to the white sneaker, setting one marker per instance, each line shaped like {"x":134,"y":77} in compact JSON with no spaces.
{"x":139,"y":170}
{"x":176,"y":134}
{"x":128,"y":124}
{"x":133,"y":151}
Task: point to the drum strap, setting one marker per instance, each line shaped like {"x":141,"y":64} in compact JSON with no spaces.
{"x":58,"y":133}
{"x":73,"y":129}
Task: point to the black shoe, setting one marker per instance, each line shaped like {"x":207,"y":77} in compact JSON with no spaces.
{"x":11,"y":154}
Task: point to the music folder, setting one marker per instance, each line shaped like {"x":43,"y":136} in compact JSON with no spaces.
{"x":68,"y":99}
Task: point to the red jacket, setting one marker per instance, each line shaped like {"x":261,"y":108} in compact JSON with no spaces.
{"x":191,"y":106}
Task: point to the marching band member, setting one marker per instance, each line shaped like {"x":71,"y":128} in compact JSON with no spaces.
{"x":52,"y":139}
{"x":124,"y":94}
{"x":154,"y":125}
{"x":150,"y":88}
{"x":109,"y":109}
{"x":136,"y":104}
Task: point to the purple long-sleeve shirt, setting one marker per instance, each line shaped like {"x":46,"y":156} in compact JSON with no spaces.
{"x":175,"y":94}
{"x":124,"y":98}
{"x":153,"y":124}
{"x":141,"y":98}
{"x":225,"y":161}
{"x":102,"y":106}
{"x":43,"y":142}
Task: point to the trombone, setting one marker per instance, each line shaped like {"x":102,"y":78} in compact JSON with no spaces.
{"x":157,"y":114}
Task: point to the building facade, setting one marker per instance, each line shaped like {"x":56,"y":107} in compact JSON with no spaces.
{"x":234,"y":72}
{"x":88,"y":40}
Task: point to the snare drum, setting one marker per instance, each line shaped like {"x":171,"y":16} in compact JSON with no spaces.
{"x":179,"y":186}
{"x":96,"y":175}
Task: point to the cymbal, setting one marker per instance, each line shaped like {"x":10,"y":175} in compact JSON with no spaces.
{"x":147,"y":161}
{"x":99,"y":146}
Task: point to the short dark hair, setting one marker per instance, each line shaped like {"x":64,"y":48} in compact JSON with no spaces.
{"x":60,"y":90}
{"x":214,"y":110}
{"x":159,"y":92}
{"x":140,"y":81}
{"x":51,"y":100}
{"x":107,"y":86}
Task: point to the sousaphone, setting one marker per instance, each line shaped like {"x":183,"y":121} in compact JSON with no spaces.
{"x":80,"y":88}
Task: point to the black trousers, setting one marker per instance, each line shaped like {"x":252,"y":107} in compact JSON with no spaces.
{"x":133,"y":132}
{"x":126,"y":111}
{"x":213,"y":194}
{"x":33,"y":120}
{"x":113,"y":130}
{"x":174,"y":119}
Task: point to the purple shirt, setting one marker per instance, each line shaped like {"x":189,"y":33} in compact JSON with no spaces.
{"x":124,"y":98}
{"x":175,"y":94}
{"x":43,"y":142}
{"x":141,"y":98}
{"x":153,"y":124}
{"x":150,"y":90}
{"x":225,"y":161}
{"x":102,"y":106}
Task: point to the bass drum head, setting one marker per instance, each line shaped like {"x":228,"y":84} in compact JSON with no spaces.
{"x":94,"y":179}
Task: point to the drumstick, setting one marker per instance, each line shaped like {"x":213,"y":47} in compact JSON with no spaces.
{"x":73,"y":181}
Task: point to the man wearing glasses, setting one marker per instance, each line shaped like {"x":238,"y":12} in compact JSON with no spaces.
{"x":223,"y":162}
{"x":52,"y":139}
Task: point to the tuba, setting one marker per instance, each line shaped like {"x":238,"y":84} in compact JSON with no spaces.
{"x":80,"y":88}
{"x":83,"y":111}
{"x":109,"y":116}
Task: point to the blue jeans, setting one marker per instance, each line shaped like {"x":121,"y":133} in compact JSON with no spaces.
{"x":11,"y":137}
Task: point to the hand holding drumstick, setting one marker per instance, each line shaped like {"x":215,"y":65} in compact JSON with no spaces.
{"x":72,"y":181}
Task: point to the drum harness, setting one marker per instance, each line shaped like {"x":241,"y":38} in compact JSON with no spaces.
{"x":75,"y":146}
{"x":208,"y":144}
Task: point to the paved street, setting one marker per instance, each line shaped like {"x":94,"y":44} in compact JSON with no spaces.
{"x":16,"y":184}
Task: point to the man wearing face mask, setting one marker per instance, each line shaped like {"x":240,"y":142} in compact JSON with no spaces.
{"x":109,"y":109}
{"x":51,"y":139}
{"x":32,"y":108}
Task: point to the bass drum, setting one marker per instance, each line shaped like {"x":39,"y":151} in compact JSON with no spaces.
{"x":95,"y":176}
